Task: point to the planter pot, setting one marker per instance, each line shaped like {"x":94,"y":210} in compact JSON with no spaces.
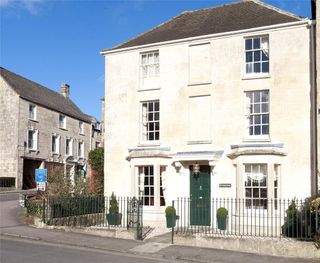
{"x":114,"y":219}
{"x":222,"y":223}
{"x":171,"y":221}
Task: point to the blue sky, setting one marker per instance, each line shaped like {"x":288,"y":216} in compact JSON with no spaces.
{"x":52,"y":41}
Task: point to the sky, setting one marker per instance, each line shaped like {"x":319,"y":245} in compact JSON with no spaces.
{"x":58,"y":41}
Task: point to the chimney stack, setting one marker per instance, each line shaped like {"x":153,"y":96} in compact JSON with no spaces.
{"x":65,"y":90}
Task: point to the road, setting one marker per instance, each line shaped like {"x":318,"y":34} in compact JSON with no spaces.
{"x":18,"y":251}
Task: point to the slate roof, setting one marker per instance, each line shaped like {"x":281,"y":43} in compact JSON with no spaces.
{"x":43,"y":96}
{"x":225,"y":18}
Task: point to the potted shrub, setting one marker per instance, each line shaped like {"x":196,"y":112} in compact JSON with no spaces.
{"x":114,"y":217}
{"x":171,"y":216}
{"x":222,"y":215}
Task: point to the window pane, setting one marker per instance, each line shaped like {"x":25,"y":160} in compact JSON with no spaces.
{"x":265,"y":119}
{"x":156,"y":58}
{"x":256,"y":96}
{"x":263,"y":192}
{"x":248,"y":44}
{"x":257,"y":55}
{"x":151,"y":136}
{"x":150,"y":116}
{"x":264,"y":107}
{"x":256,"y":43}
{"x":257,"y":130}
{"x":265,"y":129}
{"x":157,"y":136}
{"x":265,"y":56}
{"x":265,"y":67}
{"x":248,"y":192}
{"x":156,"y":116}
{"x":249,"y":56}
{"x":156,"y":106}
{"x":257,"y":119}
{"x":264,"y":96}
{"x":256,"y":108}
{"x":150,"y":106}
{"x":249,"y":68}
{"x":257,"y":67}
{"x":255,"y":192}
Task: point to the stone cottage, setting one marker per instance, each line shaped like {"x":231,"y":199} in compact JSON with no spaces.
{"x":40,"y":127}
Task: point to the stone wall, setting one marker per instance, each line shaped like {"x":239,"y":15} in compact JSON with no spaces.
{"x":9,"y":102}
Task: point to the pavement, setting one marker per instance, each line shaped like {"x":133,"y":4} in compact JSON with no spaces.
{"x":156,"y":247}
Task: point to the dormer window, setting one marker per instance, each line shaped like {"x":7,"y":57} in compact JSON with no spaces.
{"x":32,"y":112}
{"x":62,"y":121}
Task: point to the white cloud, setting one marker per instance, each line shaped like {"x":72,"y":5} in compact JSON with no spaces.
{"x":32,"y":6}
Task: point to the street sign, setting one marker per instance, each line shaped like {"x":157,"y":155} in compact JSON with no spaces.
{"x":41,"y":179}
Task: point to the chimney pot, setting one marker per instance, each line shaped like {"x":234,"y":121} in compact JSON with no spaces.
{"x":65,"y":90}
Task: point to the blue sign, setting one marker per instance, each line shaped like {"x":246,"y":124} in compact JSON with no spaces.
{"x":41,"y":175}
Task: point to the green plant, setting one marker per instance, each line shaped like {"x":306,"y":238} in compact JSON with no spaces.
{"x":96,"y":162}
{"x":170,"y":211}
{"x":222,"y":212}
{"x":113,"y":208}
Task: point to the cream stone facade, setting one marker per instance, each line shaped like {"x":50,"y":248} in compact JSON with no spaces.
{"x":203,"y":94}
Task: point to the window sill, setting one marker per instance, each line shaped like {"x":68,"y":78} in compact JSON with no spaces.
{"x":33,"y":150}
{"x":82,"y":134}
{"x":199,"y":83}
{"x":257,"y":139}
{"x":148,"y":89}
{"x":62,"y":128}
{"x":256,"y":76}
{"x":199,"y":142}
{"x":146,"y":144}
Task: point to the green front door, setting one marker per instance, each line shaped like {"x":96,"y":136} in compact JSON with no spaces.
{"x":200,"y":197}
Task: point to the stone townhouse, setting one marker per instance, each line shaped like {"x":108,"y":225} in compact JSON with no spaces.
{"x":212,"y":103}
{"x":41,"y":128}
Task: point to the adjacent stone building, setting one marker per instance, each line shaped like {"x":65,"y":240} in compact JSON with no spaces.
{"x":41,"y":128}
{"x":212,"y":103}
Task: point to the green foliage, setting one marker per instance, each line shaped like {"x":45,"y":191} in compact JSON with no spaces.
{"x":113,"y":208}
{"x":222,"y":212}
{"x":34,"y":207}
{"x":96,"y":162}
{"x":170,"y":211}
{"x":300,"y":222}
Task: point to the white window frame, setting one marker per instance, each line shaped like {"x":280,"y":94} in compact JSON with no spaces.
{"x":145,"y":128}
{"x":261,"y":50}
{"x":70,"y":153}
{"x":32,"y":114}
{"x":252,"y":118}
{"x":80,"y":149}
{"x":256,"y":184}
{"x":81,"y":127}
{"x":150,"y":190}
{"x":55,"y":144}
{"x":62,"y":124}
{"x":150,"y":69}
{"x":35,"y":134}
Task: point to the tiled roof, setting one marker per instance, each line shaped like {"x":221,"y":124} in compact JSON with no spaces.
{"x":43,"y":96}
{"x":226,"y":18}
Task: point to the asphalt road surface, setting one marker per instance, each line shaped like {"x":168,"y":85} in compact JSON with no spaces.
{"x":28,"y":251}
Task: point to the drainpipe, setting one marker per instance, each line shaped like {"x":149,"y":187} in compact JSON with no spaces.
{"x":313,"y":110}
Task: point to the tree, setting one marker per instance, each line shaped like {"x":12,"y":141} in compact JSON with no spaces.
{"x":96,"y":162}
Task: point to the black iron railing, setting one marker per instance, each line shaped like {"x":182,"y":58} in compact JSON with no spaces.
{"x":237,"y":217}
